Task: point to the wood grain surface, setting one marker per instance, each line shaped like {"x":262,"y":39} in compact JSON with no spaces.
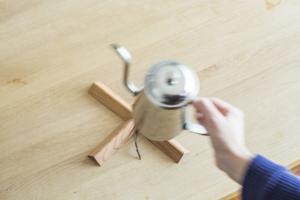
{"x":246,"y":52}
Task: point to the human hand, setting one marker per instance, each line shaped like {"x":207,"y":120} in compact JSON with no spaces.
{"x":225,"y":126}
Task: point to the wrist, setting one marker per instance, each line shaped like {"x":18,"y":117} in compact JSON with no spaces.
{"x":239,"y":165}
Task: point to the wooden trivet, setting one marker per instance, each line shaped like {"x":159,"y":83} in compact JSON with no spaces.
{"x":124,"y":131}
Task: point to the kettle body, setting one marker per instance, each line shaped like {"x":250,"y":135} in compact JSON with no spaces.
{"x":159,"y":111}
{"x":154,"y":122}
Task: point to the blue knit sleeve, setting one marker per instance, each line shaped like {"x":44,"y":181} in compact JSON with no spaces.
{"x":265,"y":180}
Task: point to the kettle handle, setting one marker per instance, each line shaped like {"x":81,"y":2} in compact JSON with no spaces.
{"x":191,"y":126}
{"x":125,"y":56}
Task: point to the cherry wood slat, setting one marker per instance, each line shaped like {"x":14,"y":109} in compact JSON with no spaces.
{"x":294,"y":167}
{"x":112,"y":101}
{"x":113,"y":142}
{"x":171,"y":148}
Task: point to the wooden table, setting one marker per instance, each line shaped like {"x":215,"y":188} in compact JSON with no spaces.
{"x":246,"y":52}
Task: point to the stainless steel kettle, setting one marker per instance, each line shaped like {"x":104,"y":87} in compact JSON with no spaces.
{"x":160,"y":108}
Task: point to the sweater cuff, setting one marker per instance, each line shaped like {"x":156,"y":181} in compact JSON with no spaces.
{"x":261,"y":177}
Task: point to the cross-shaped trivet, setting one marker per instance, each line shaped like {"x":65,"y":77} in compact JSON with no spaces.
{"x":124,"y":131}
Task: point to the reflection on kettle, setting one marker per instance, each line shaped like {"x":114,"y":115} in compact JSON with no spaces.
{"x":160,"y":108}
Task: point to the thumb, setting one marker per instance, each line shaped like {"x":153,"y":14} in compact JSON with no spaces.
{"x":211,"y":117}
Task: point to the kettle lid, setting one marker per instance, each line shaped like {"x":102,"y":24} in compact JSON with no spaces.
{"x":170,"y":84}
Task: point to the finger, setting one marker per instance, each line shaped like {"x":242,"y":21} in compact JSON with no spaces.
{"x":199,"y":115}
{"x":206,"y":107}
{"x":220,"y":106}
{"x":209,"y":116}
{"x":203,"y":121}
{"x":223,"y":106}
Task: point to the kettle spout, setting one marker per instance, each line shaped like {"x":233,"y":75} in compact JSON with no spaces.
{"x":125,"y":56}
